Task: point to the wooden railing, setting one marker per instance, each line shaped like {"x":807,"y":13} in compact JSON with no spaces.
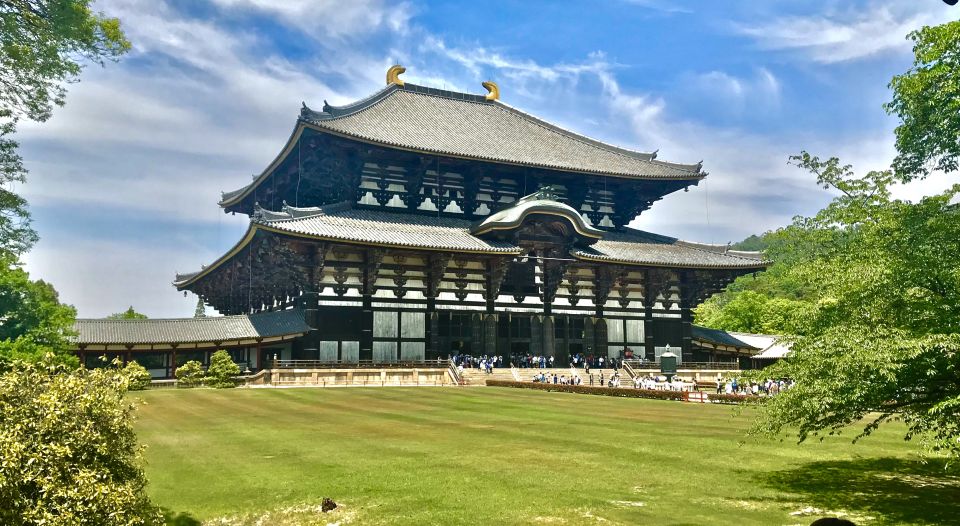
{"x":325,"y":364}
{"x":454,"y":371}
{"x":629,"y":369}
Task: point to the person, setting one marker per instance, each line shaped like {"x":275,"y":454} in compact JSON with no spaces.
{"x":601,"y":362}
{"x":601,"y":378}
{"x":591,"y":378}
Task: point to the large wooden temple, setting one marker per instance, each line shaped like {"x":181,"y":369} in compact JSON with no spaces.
{"x":419,"y":223}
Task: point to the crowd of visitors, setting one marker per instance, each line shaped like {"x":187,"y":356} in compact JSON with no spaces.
{"x":485,"y":363}
{"x":527,"y":361}
{"x":563,"y":379}
{"x":579,"y":360}
{"x":768,"y":387}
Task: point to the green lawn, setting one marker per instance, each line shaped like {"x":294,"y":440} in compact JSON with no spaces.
{"x":510,"y":456}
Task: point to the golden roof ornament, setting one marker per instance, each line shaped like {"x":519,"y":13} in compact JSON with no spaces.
{"x":492,"y":88}
{"x":393,"y":74}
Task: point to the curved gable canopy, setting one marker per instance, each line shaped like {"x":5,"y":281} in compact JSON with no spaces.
{"x":541,"y":203}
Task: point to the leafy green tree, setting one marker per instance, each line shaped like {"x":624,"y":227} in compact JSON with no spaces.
{"x":753,"y":243}
{"x":33,"y":322}
{"x":190,"y":374}
{"x":881,"y":335}
{"x":223,"y":371}
{"x":128,"y":314}
{"x":69,"y":454}
{"x":138,"y":378}
{"x":927,"y":100}
{"x":42,"y":46}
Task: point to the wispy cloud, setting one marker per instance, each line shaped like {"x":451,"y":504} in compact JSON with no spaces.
{"x":848,"y":34}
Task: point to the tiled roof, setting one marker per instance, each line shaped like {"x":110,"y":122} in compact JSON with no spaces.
{"x":189,"y":330}
{"x":463,"y":125}
{"x":428,"y":232}
{"x":720,"y":337}
{"x":638,"y":247}
{"x":382,"y":228}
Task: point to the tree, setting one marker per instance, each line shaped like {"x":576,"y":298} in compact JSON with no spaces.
{"x":190,"y":374}
{"x":881,"y":338}
{"x":128,"y":314}
{"x":223,"y":371}
{"x":33,"y":322}
{"x":927,"y":100}
{"x":68,"y":448}
{"x":41,"y":45}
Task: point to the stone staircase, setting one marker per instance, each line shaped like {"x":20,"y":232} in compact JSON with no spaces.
{"x":479,"y":377}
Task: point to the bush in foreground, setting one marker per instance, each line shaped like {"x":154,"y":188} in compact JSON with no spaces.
{"x":69,"y":453}
{"x":223,"y":371}
{"x":190,"y":374}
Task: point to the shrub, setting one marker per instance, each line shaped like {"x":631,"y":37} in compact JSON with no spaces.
{"x":734,"y":398}
{"x":190,"y":374}
{"x":590,"y":389}
{"x":137,"y":376}
{"x":223,"y":371}
{"x":69,"y":452}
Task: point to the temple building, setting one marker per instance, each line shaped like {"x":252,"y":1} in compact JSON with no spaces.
{"x":418,"y":223}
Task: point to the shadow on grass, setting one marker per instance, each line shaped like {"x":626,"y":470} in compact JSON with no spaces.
{"x":170,"y":518}
{"x":892,"y":489}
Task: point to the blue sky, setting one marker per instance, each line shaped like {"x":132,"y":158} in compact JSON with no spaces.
{"x":125,"y":178}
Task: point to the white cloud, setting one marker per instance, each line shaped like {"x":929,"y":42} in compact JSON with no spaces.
{"x":850,"y":34}
{"x":333,"y":18}
{"x":762,"y":89}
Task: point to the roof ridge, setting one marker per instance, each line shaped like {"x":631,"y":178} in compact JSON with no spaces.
{"x":348,"y":110}
{"x":204,"y":318}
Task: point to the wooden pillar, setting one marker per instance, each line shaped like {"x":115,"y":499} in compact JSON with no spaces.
{"x":173,"y":361}
{"x":536,"y":336}
{"x":490,"y":336}
{"x":649,"y":298}
{"x":686,"y":317}
{"x":600,"y":337}
{"x":549,"y":340}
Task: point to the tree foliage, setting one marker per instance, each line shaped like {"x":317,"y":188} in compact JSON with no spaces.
{"x":33,"y":322}
{"x":69,"y":454}
{"x":128,"y":314}
{"x":190,"y":374}
{"x":223,"y":371}
{"x":927,"y":100}
{"x":879,"y":332}
{"x":41,"y":45}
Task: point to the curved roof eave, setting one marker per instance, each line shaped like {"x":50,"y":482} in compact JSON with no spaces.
{"x":235,"y":196}
{"x":610,"y":259}
{"x":191,"y":278}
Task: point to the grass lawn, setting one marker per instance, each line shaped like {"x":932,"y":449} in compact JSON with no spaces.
{"x":502,"y":456}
